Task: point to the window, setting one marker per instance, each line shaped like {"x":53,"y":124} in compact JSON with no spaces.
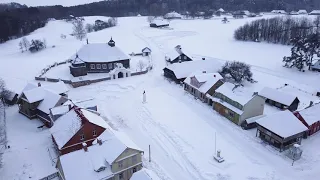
{"x":110,"y":66}
{"x":120,"y":164}
{"x":231,"y":114}
{"x":98,"y":66}
{"x":81,"y":136}
{"x":104,"y":66}
{"x":94,"y":133}
{"x":134,"y":159}
{"x":180,"y":57}
{"x":185,"y":57}
{"x":134,"y":170}
{"x":92,"y":66}
{"x":120,"y":176}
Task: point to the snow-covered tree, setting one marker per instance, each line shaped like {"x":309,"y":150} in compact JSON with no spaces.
{"x":79,"y":30}
{"x":150,"y":19}
{"x":36,"y":45}
{"x":304,"y":52}
{"x":225,"y":20}
{"x":62,"y":36}
{"x":4,"y":93}
{"x":237,"y":72}
{"x":141,"y":65}
{"x":24,"y":44}
{"x":89,"y":28}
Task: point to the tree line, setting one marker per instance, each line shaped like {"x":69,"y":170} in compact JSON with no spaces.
{"x":279,"y":30}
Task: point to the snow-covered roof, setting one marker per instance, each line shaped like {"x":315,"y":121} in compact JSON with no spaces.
{"x":254,"y":119}
{"x":144,"y":174}
{"x":315,"y":12}
{"x":50,"y":100}
{"x":76,"y":60}
{"x":66,"y":126}
{"x":97,"y":156}
{"x":278,"y":11}
{"x":146,"y":49}
{"x":100,"y":52}
{"x":316,"y":65}
{"x":171,"y":55}
{"x":208,"y":80}
{"x":220,"y":10}
{"x":302,"y":11}
{"x":173,"y":14}
{"x":160,"y":22}
{"x":184,"y":69}
{"x":225,"y":104}
{"x":246,"y":12}
{"x":238,"y":94}
{"x":35,"y":94}
{"x":311,"y":114}
{"x":282,"y":123}
{"x":58,"y":87}
{"x":29,"y":86}
{"x":278,"y":96}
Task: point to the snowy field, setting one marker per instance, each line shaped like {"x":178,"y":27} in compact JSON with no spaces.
{"x":180,"y":129}
{"x":50,"y":3}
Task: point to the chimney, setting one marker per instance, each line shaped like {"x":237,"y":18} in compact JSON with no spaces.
{"x":70,"y":106}
{"x":39,"y":84}
{"x":99,"y":141}
{"x":178,"y":49}
{"x":203,"y":58}
{"x":311,"y":103}
{"x":85,"y":147}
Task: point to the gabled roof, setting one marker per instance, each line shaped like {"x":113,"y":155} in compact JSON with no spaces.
{"x":146,"y":49}
{"x":220,"y":10}
{"x":238,"y":94}
{"x":282,"y":123}
{"x":50,"y":100}
{"x":209,"y":79}
{"x":66,"y":126}
{"x":173,"y":14}
{"x":86,"y":103}
{"x":302,"y":11}
{"x":315,"y":12}
{"x":35,"y":94}
{"x":316,"y":65}
{"x":278,"y":96}
{"x":97,"y":156}
{"x":29,"y":86}
{"x":311,"y":114}
{"x":100,"y":52}
{"x":58,"y":87}
{"x":184,"y":69}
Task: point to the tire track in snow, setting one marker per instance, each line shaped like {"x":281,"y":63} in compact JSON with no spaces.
{"x":163,"y":136}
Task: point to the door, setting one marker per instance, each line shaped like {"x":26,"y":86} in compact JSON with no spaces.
{"x":120,"y":75}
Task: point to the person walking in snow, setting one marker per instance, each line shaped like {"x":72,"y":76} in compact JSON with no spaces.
{"x":144,"y":97}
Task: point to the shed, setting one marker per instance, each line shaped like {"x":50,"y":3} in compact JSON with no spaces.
{"x":159,"y":23}
{"x":281,"y":129}
{"x":173,"y":15}
{"x":146,"y":51}
{"x":280,"y":99}
{"x":177,"y":55}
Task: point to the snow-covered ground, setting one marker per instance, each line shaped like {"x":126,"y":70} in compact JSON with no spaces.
{"x":50,"y":3}
{"x":180,"y":129}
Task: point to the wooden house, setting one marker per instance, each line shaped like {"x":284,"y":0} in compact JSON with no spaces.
{"x":202,"y":84}
{"x":146,"y":51}
{"x":111,"y":157}
{"x":159,"y":23}
{"x":315,"y":12}
{"x":281,"y":129}
{"x":236,"y":104}
{"x":280,"y":99}
{"x":36,"y":101}
{"x":76,"y":127}
{"x":310,"y":117}
{"x":177,"y":55}
{"x":316,"y":66}
{"x":98,"y":58}
{"x":178,"y":72}
{"x":173,"y":15}
{"x":11,"y":98}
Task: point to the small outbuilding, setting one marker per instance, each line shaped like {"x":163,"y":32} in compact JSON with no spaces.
{"x":11,"y":98}
{"x":177,"y":55}
{"x":280,"y":99}
{"x":302,"y":11}
{"x":282,"y":129}
{"x":316,"y":66}
{"x":315,"y":12}
{"x":159,"y":23}
{"x":173,"y":15}
{"x":146,"y":51}
{"x":279,"y":11}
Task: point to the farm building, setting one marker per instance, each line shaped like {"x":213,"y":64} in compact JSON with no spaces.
{"x":302,"y":11}
{"x":110,"y":157}
{"x":146,"y":51}
{"x":281,"y":129}
{"x":279,"y":11}
{"x":178,"y":72}
{"x":177,"y":55}
{"x":238,"y":15}
{"x":280,"y":99}
{"x":315,"y":12}
{"x":310,"y":117}
{"x":316,"y":66}
{"x":200,"y":84}
{"x":36,"y":101}
{"x":159,"y":23}
{"x":98,"y":58}
{"x":173,"y":15}
{"x":235,"y":104}
{"x":76,"y":127}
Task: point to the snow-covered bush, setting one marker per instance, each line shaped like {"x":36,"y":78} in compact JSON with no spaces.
{"x":36,"y":45}
{"x":237,"y":72}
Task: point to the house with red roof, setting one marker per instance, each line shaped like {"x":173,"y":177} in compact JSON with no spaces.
{"x":310,"y":117}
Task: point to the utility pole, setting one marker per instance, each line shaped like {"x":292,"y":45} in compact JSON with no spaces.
{"x":149,"y":153}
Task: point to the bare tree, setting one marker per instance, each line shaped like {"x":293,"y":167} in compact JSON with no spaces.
{"x":3,"y":130}
{"x":24,"y":44}
{"x":141,"y":65}
{"x":79,"y":30}
{"x":150,"y":19}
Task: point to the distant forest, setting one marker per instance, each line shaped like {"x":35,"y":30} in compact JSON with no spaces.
{"x":17,"y":20}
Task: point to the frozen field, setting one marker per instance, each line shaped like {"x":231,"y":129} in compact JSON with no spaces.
{"x":180,"y":129}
